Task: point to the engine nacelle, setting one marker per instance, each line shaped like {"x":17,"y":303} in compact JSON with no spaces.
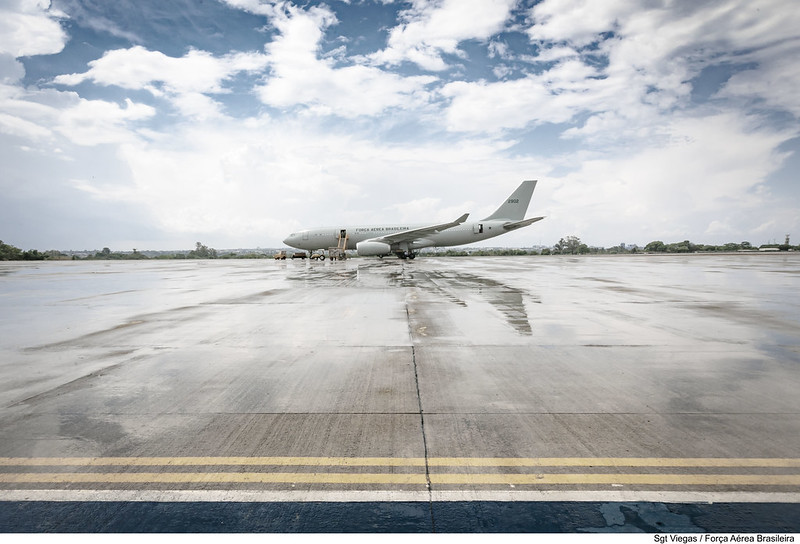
{"x":373,"y":249}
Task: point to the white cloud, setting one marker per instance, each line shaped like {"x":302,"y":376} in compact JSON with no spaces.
{"x":499,"y":49}
{"x":29,"y":27}
{"x":197,"y":105}
{"x":710,"y":171}
{"x":258,"y":7}
{"x":40,"y":116}
{"x":94,"y":122}
{"x":300,"y":78}
{"x":86,"y":14}
{"x":577,"y":21}
{"x":234,"y":178}
{"x":775,"y":81}
{"x":11,"y":70}
{"x":647,"y":63}
{"x":717,"y":228}
{"x":138,"y":68}
{"x":184,"y":80}
{"x":432,"y":28}
{"x":17,"y":126}
{"x":555,"y":96}
{"x":25,"y":114}
{"x":553,"y":54}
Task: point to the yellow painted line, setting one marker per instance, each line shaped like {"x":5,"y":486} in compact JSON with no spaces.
{"x":406,"y":461}
{"x":210,"y":461}
{"x":397,"y":479}
{"x":211,"y":477}
{"x":612,"y":462}
{"x":620,"y":479}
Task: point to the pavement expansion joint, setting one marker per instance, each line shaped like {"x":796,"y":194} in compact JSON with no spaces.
{"x":428,"y":484}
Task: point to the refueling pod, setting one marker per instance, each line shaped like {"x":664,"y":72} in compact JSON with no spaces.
{"x":370,"y":248}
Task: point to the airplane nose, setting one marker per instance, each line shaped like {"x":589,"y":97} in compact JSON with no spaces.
{"x":287,"y":240}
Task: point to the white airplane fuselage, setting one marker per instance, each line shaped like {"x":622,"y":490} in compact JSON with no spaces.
{"x":405,"y":240}
{"x":465,"y":233}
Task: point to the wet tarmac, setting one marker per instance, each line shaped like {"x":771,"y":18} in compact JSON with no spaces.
{"x":445,"y":391}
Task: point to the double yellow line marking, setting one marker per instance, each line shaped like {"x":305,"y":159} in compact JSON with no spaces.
{"x":741,"y":462}
{"x":398,"y":479}
{"x":608,"y":474}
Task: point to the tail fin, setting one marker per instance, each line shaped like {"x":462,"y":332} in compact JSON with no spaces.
{"x":516,"y":205}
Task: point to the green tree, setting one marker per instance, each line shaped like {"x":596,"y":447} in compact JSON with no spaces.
{"x":681,"y":247}
{"x":53,"y":254}
{"x":202,"y":252}
{"x":32,"y":255}
{"x":656,"y":246}
{"x":9,"y":252}
{"x":569,"y":245}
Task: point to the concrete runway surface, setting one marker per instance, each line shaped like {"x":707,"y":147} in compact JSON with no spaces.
{"x":628,"y":393}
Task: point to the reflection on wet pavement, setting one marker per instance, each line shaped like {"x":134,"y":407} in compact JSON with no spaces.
{"x":454,"y":287}
{"x":458,"y":288}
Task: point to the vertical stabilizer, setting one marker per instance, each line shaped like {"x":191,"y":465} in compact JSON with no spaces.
{"x":516,"y":205}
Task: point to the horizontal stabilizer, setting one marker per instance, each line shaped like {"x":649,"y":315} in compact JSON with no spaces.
{"x":519,"y":224}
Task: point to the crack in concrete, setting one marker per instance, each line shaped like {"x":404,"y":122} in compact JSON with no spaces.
{"x":421,"y":418}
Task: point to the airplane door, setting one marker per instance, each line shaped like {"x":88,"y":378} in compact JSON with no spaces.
{"x":305,"y":235}
{"x":477,"y":228}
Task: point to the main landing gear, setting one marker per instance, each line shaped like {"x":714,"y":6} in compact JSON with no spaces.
{"x":406,"y":255}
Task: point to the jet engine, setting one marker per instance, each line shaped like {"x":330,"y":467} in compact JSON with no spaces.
{"x":373,"y":249}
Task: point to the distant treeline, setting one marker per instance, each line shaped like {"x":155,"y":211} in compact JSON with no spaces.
{"x":11,"y":253}
{"x":569,"y":245}
{"x":572,"y":245}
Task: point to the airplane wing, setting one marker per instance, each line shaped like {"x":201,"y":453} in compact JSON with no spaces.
{"x":414,"y":234}
{"x":513,"y":225}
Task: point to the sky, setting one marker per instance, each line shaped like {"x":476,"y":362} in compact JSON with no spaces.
{"x":154,"y":125}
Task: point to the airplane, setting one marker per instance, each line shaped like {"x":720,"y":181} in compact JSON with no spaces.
{"x":405,"y":241}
